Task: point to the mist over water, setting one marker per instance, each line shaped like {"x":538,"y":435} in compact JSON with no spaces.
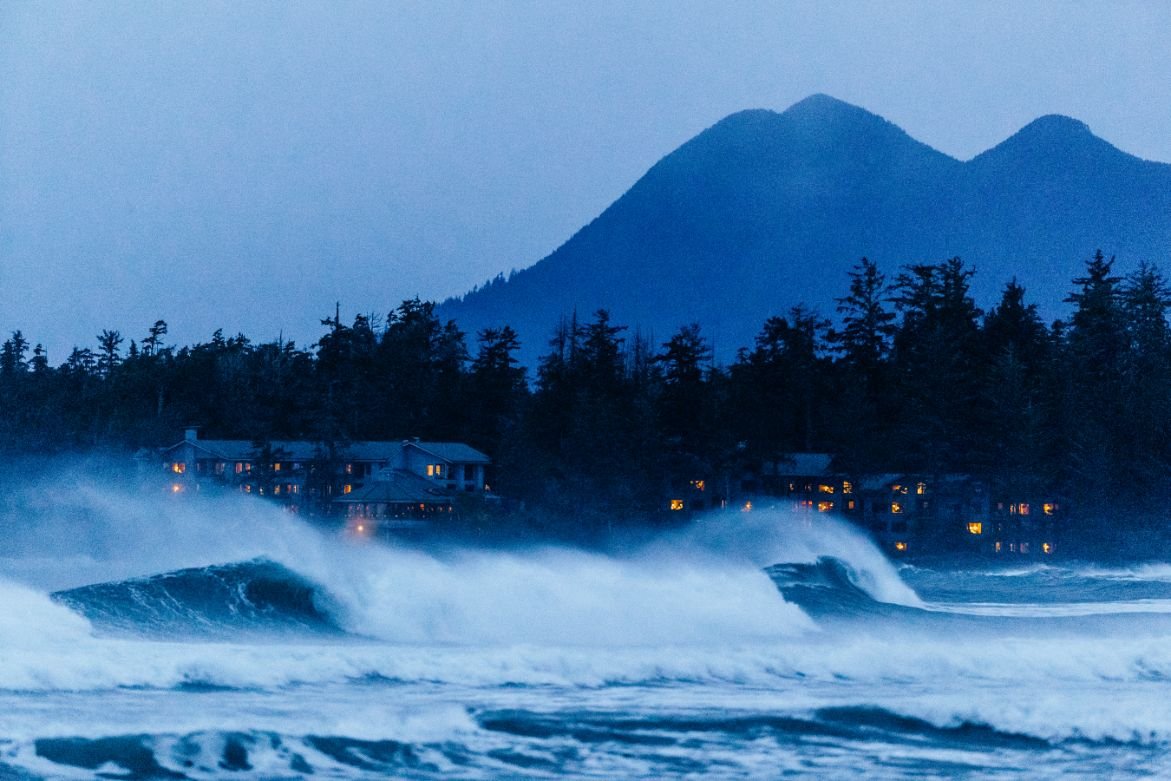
{"x":150,"y":636}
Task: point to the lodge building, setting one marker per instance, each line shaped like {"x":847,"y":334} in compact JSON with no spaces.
{"x":374,"y":486}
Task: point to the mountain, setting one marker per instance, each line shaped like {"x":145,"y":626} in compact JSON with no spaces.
{"x":765,"y":210}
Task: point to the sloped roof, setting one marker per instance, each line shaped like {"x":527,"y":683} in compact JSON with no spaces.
{"x":292,"y":449}
{"x":451,"y":452}
{"x":396,"y":486}
{"x":805,"y":464}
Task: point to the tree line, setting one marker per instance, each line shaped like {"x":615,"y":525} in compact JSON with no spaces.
{"x":913,"y":377}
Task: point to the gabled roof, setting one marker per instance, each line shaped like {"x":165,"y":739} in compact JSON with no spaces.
{"x":396,"y":486}
{"x":805,"y":465}
{"x":291,"y":449}
{"x":451,"y":452}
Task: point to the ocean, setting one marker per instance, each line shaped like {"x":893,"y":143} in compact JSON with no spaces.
{"x":141,"y":639}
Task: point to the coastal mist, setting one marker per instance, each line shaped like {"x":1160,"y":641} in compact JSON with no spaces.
{"x":145,"y":638}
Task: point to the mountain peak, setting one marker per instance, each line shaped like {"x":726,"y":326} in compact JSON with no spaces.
{"x":1050,"y":139}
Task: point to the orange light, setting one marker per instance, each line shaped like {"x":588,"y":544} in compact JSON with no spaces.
{"x":975,"y":527}
{"x":748,"y":507}
{"x":825,"y":507}
{"x":676,"y":505}
{"x":900,"y":546}
{"x":896,"y":508}
{"x":176,"y":488}
{"x":1046,"y":547}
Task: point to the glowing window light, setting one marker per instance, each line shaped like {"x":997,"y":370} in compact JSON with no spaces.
{"x":1048,"y":508}
{"x":347,"y":488}
{"x":1024,"y":508}
{"x":920,"y":488}
{"x":896,"y":508}
{"x":747,"y":507}
{"x":975,"y":527}
{"x":850,"y":505}
{"x":276,"y":467}
{"x":179,"y":467}
{"x":823,"y":488}
{"x":430,"y":470}
{"x":847,"y":487}
{"x":676,"y":505}
{"x":276,"y":490}
{"x":698,"y":485}
{"x":898,"y":488}
{"x":1046,"y":547}
{"x":998,"y":546}
{"x":825,"y":507}
{"x":901,"y":546}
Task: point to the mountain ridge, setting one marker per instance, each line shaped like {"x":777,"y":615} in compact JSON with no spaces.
{"x":765,"y":209}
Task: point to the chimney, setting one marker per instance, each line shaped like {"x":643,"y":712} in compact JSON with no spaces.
{"x":191,"y":433}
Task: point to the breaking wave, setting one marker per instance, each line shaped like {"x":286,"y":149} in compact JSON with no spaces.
{"x":224,"y":599}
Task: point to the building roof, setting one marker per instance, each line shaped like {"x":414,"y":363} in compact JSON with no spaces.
{"x":451,"y":452}
{"x":396,"y":486}
{"x":805,"y":465}
{"x":307,"y":450}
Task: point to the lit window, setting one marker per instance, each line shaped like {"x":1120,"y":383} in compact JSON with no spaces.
{"x":920,"y":488}
{"x":825,"y":507}
{"x":825,"y":489}
{"x":349,"y":469}
{"x":676,"y":505}
{"x":178,"y":467}
{"x":219,"y":467}
{"x":248,"y":467}
{"x":430,"y":470}
{"x":975,"y":527}
{"x":247,"y":489}
{"x":896,"y":508}
{"x":998,"y":546}
{"x":276,"y":490}
{"x":1048,"y":508}
{"x":347,"y":488}
{"x":698,"y":485}
{"x":748,"y":507}
{"x":850,"y":505}
{"x":1046,"y":547}
{"x":847,"y":487}
{"x":439,"y":470}
{"x":898,"y":489}
{"x":239,"y":467}
{"x":1012,"y":509}
{"x":1024,"y":508}
{"x":901,"y":546}
{"x":276,"y":467}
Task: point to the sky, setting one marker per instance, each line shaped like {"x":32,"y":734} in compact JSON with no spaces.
{"x":244,"y":166}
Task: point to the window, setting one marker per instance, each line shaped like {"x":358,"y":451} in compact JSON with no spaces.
{"x":1048,"y":508}
{"x":898,"y":488}
{"x":239,"y":467}
{"x":920,"y":488}
{"x":901,"y":546}
{"x":1024,"y":547}
{"x":347,"y":488}
{"x":1046,"y":547}
{"x":847,"y":487}
{"x":825,"y":489}
{"x":896,"y":508}
{"x":676,"y":505}
{"x":276,"y":490}
{"x":439,"y":470}
{"x":825,"y":507}
{"x":178,"y":467}
{"x":1024,"y":508}
{"x":998,"y":546}
{"x":349,"y":469}
{"x":430,"y":470}
{"x":698,"y":485}
{"x":747,"y":507}
{"x":276,"y":467}
{"x":975,"y":527}
{"x":219,"y":467}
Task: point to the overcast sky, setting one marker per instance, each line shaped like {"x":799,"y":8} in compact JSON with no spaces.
{"x":245,"y":166}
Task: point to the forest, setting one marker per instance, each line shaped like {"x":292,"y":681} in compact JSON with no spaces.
{"x":909,"y":376}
